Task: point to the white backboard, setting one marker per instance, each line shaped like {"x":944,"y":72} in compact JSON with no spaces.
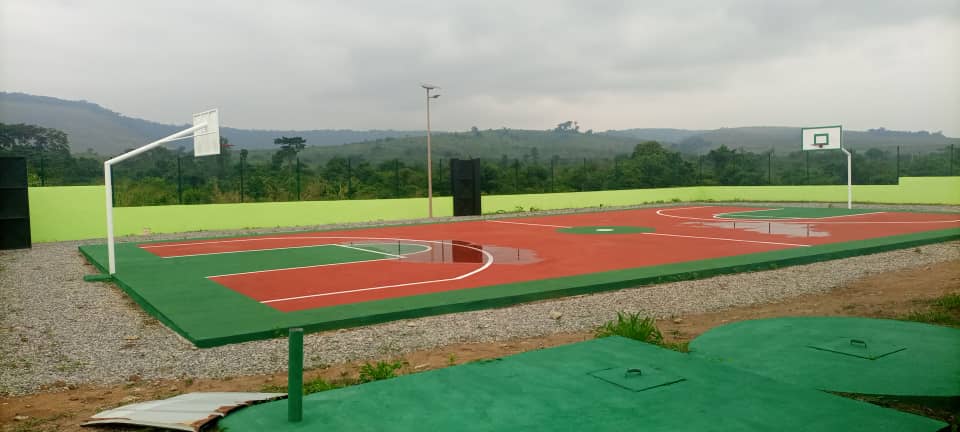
{"x":822,"y":138}
{"x":206,"y":141}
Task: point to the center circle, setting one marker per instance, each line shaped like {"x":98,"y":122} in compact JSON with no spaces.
{"x":606,"y":230}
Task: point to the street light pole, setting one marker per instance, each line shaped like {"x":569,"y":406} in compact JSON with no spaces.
{"x":429,"y":87}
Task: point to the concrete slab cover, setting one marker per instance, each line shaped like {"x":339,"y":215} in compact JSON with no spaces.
{"x":553,"y":390}
{"x":850,"y":355}
{"x":186,"y":412}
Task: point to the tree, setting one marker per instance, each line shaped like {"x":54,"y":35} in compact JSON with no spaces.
{"x":289,"y":148}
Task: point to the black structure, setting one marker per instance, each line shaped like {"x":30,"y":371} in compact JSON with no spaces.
{"x":465,"y":186}
{"x":14,"y":204}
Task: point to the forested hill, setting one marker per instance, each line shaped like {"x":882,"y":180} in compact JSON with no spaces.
{"x":90,"y":126}
{"x":525,"y":145}
{"x":787,"y":139}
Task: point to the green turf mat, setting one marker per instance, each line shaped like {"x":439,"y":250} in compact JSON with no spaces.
{"x":849,"y":355}
{"x":557,"y":390}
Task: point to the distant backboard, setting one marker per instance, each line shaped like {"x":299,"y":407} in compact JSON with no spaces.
{"x":822,"y":138}
{"x":206,"y":141}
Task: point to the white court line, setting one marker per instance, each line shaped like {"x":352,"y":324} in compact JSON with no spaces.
{"x":526,"y":223}
{"x":298,"y":268}
{"x":720,"y":216}
{"x":726,"y":239}
{"x":200,"y":243}
{"x":748,"y":211}
{"x":797,"y":221}
{"x":248,"y":250}
{"x":487,"y":264}
{"x":368,"y":250}
{"x":210,"y":242}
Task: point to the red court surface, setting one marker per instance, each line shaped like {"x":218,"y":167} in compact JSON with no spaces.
{"x":463,"y":255}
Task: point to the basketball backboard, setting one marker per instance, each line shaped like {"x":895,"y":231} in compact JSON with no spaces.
{"x":822,"y":138}
{"x":206,"y":142}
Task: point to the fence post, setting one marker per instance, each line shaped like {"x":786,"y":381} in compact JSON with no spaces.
{"x":298,"y":178}
{"x":951,"y":159}
{"x":179,"y":182}
{"x":396,"y":167}
{"x":242,"y":160}
{"x":349,"y":177}
{"x":898,"y":165}
{"x":516,"y":175}
{"x":583,"y":184}
{"x":553,"y":171}
{"x":43,"y":174}
{"x":699,"y":169}
{"x":770,"y":167}
{"x":295,"y":376}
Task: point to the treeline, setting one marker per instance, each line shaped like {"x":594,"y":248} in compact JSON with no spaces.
{"x":172,"y":176}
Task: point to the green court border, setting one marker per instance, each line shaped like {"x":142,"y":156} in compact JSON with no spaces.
{"x":273,"y":323}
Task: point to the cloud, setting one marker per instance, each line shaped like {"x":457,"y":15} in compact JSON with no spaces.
{"x":302,"y":64}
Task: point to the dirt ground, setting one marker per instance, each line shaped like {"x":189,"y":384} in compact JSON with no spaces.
{"x":884,"y":295}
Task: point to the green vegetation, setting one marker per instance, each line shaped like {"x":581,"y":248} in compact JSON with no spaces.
{"x":941,"y":311}
{"x":636,"y":326}
{"x":512,"y":162}
{"x":632,"y":326}
{"x":380,"y":370}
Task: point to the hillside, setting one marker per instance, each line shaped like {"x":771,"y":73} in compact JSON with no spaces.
{"x":787,"y":140}
{"x":90,"y":126}
{"x":525,"y":145}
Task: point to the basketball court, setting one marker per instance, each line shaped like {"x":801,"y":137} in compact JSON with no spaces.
{"x":224,"y":290}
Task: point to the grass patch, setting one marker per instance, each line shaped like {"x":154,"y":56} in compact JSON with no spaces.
{"x":380,"y":370}
{"x":940,"y":311}
{"x":632,"y":326}
{"x":315,"y":385}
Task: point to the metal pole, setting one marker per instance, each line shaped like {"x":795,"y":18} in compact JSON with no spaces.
{"x":108,"y":186}
{"x":849,"y":178}
{"x":396,"y":167}
{"x":700,"y":169}
{"x":898,"y":165}
{"x":808,"y":166}
{"x":295,"y":376}
{"x":770,"y":167}
{"x":429,"y":163}
{"x":553,"y":172}
{"x":951,"y":159}
{"x":241,"y":178}
{"x":349,"y":176}
{"x":179,"y":182}
{"x":516,"y":175}
{"x":298,"y":178}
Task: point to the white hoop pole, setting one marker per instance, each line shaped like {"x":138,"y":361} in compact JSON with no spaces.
{"x":849,"y":178}
{"x":108,"y":186}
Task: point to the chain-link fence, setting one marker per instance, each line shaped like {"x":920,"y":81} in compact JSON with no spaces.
{"x":170,"y":177}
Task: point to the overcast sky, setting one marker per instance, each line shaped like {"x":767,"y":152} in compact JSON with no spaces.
{"x":517,"y":64}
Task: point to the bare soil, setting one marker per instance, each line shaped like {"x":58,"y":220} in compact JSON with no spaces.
{"x":884,"y":295}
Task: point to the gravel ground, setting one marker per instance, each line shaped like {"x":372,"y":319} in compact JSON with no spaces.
{"x":57,"y":330}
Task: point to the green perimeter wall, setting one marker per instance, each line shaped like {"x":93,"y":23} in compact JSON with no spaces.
{"x":77,"y":212}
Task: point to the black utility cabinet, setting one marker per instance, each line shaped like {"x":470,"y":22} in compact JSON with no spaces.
{"x":465,"y":186}
{"x":14,"y":204}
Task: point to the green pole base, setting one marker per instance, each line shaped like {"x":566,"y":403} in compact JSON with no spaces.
{"x":295,"y":376}
{"x":99,"y":277}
